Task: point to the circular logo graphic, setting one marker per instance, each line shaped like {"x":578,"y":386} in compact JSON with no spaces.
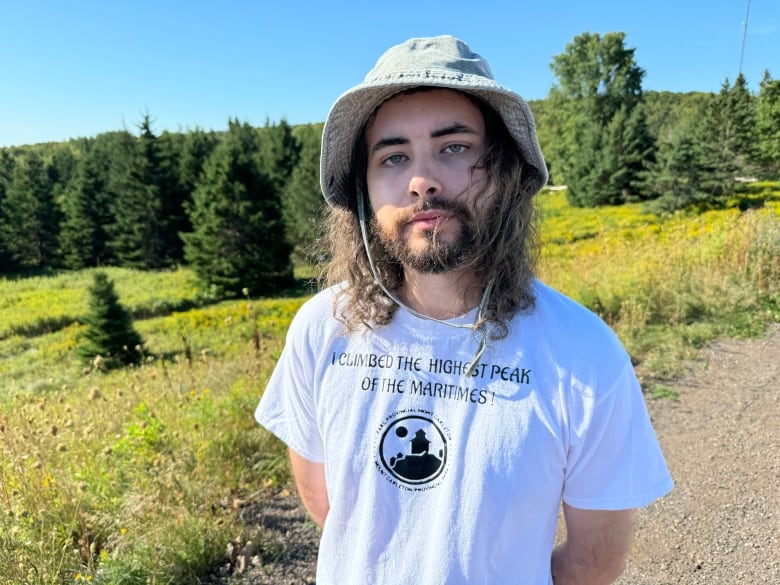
{"x":413,"y":449}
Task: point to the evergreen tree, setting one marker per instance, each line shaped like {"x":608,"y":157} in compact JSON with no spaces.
{"x":676,"y":179}
{"x":238,"y":232}
{"x":138,"y":231}
{"x":742,"y":114}
{"x":87,"y":210}
{"x":598,"y":140}
{"x":726,"y":129}
{"x":636,"y":151}
{"x":110,"y":156}
{"x":302,"y":203}
{"x":174,"y":196}
{"x":30,"y":218}
{"x":6,"y":176}
{"x":109,"y":329}
{"x":198,"y":146}
{"x":61,"y":170}
{"x":768,"y":126}
{"x":610,"y":168}
{"x":279,"y":152}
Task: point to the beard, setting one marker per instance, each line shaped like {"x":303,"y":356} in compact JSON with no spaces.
{"x":436,"y":256}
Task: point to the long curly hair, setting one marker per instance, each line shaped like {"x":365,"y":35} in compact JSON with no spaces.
{"x":506,"y":246}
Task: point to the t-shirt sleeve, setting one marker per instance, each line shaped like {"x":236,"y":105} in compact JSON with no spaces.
{"x":287,"y":406}
{"x":614,"y":459}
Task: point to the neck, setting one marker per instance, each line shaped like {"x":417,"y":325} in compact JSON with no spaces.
{"x":441,"y":296}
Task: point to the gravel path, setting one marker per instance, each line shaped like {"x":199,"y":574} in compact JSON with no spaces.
{"x":720,"y":526}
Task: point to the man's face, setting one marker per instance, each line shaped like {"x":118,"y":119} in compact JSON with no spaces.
{"x":423,"y":174}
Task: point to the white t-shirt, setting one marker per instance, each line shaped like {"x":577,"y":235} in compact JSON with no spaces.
{"x":438,"y":477}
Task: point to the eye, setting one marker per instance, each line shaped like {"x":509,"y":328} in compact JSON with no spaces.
{"x":455,"y":148}
{"x":393,"y":160}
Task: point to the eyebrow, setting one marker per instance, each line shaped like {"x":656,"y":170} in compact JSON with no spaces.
{"x":455,"y":128}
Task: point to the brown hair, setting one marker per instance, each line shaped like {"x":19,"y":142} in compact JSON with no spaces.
{"x":506,"y":245}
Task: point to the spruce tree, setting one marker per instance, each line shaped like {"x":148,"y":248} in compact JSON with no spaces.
{"x":278,"y":154}
{"x":768,"y":126}
{"x":31,"y":219}
{"x":87,"y":212}
{"x":676,"y":178}
{"x":109,"y":329}
{"x":61,"y":169}
{"x":726,"y":128}
{"x":302,"y":202}
{"x":6,"y":173}
{"x":174,"y":196}
{"x":237,"y":239}
{"x":138,"y":231}
{"x":196,"y":148}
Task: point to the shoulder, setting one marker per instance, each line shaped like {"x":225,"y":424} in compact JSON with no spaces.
{"x":569,"y":333}
{"x":316,"y":317}
{"x":560,"y":314}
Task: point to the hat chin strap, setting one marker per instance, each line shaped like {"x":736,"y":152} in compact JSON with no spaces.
{"x":479,"y":325}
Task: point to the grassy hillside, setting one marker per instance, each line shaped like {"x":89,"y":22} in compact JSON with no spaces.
{"x":133,"y":476}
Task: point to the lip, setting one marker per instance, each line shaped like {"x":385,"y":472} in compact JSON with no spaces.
{"x":429,"y":219}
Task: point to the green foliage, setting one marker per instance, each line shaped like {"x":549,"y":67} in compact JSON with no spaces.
{"x":661,"y":391}
{"x":768,"y":125}
{"x":30,"y":219}
{"x":238,"y":232}
{"x":598,"y":139}
{"x":138,"y":232}
{"x":302,"y":203}
{"x":670,"y":113}
{"x":278,"y":153}
{"x":174,"y":195}
{"x":727,"y":137}
{"x":7,"y":163}
{"x":677,"y":177}
{"x":87,"y":212}
{"x":109,"y":335}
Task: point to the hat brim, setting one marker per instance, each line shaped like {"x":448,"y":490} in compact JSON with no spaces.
{"x":353,"y":108}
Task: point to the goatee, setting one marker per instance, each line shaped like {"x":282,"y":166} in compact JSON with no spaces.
{"x":437,"y":256}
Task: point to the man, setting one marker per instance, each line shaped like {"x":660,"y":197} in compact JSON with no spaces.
{"x":440,"y":404}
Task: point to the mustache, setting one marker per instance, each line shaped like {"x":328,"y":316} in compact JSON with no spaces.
{"x":440,"y":204}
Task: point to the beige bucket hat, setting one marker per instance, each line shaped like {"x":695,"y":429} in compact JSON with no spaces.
{"x":442,"y":61}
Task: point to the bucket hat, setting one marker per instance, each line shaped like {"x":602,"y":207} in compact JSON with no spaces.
{"x":437,"y":62}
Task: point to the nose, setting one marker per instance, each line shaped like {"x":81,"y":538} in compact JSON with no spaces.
{"x":423,"y":182}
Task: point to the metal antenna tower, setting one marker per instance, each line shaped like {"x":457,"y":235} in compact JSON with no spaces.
{"x":744,"y":37}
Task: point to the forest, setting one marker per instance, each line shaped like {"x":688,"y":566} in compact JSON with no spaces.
{"x":242,"y":206}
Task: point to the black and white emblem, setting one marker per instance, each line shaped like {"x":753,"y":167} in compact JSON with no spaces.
{"x":413,"y":449}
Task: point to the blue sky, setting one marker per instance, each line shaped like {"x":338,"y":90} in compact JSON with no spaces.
{"x":72,"y":68}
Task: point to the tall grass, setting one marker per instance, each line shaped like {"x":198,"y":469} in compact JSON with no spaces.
{"x":35,"y":306}
{"x":667,"y":286}
{"x":133,"y":476}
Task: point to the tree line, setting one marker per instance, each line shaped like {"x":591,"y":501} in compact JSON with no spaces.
{"x":611,"y":143}
{"x":239,"y":206}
